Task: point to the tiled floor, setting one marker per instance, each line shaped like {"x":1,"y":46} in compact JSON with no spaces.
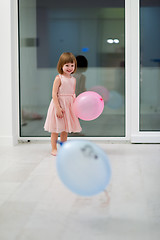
{"x":35,"y":205}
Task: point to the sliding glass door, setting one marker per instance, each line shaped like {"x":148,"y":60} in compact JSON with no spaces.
{"x":149,"y":65}
{"x":117,"y":48}
{"x":94,"y":32}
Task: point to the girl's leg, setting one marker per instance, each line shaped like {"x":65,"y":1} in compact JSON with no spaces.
{"x":63,"y":136}
{"x":54,"y":137}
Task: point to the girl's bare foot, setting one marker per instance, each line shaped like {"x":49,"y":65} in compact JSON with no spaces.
{"x":54,"y":152}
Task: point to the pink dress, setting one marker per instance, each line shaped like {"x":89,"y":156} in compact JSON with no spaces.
{"x":66,"y":96}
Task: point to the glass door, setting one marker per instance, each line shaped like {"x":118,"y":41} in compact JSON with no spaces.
{"x":94,"y":31}
{"x":144,"y":74}
{"x":149,"y":65}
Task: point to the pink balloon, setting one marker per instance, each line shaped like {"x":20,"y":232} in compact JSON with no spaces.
{"x":102,"y":91}
{"x":88,"y":105}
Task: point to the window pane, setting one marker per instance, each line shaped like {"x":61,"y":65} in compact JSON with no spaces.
{"x":93,"y":30}
{"x":150,"y":65}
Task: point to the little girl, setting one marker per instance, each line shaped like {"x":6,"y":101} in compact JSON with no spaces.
{"x":60,"y":117}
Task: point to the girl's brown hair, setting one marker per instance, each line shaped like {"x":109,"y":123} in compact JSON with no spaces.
{"x":66,"y":57}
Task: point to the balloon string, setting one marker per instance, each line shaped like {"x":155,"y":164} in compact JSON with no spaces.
{"x":108,"y":197}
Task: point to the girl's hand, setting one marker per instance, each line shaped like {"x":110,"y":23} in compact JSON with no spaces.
{"x":60,"y":112}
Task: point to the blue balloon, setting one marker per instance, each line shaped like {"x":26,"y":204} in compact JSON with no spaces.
{"x":83,"y":167}
{"x":115,"y":100}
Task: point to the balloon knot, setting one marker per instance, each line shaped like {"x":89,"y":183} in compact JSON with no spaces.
{"x":60,"y":143}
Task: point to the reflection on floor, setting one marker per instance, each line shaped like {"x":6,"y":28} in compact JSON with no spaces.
{"x":34,"y":204}
{"x":112,"y":125}
{"x":150,"y":122}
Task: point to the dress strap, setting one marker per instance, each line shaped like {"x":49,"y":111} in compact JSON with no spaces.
{"x":60,"y":76}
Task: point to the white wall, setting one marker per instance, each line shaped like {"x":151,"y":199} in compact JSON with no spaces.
{"x":5,"y":74}
{"x":8,"y":126}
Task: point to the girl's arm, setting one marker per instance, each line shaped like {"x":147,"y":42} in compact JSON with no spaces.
{"x":56,"y":85}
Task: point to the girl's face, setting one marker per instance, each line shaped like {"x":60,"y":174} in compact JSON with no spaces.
{"x":68,"y":68}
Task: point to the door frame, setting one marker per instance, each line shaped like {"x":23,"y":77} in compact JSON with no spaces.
{"x":132,"y":63}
